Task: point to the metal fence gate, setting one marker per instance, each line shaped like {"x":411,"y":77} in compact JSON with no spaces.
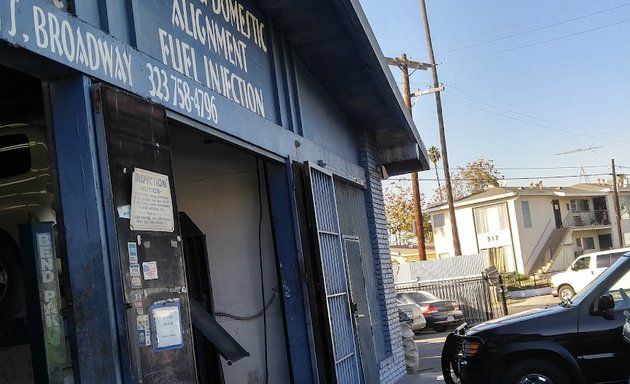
{"x":335,"y":278}
{"x":476,"y":295}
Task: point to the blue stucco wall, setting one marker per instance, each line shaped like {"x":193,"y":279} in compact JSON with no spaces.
{"x":322,"y":120}
{"x":309,"y":113}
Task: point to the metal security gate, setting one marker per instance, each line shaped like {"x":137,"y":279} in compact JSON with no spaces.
{"x":476,"y":296}
{"x":334,"y":272}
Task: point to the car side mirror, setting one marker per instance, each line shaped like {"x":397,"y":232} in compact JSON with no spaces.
{"x":605,"y":305}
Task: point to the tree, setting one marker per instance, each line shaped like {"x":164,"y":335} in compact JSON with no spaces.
{"x":400,"y":214}
{"x":476,"y":177}
{"x":399,"y":210}
{"x":479,"y":176}
{"x":434,"y":157}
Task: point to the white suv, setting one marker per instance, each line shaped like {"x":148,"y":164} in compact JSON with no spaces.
{"x":582,"y":271}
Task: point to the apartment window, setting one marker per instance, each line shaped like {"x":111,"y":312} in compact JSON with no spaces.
{"x":527,"y":219}
{"x":579,"y":205}
{"x":624,"y":205}
{"x":493,"y":218}
{"x":438,"y":220}
{"x":585,"y":243}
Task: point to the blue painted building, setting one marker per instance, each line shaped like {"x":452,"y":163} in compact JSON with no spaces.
{"x":190,"y":191}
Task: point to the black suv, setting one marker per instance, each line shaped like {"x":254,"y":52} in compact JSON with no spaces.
{"x":578,"y":341}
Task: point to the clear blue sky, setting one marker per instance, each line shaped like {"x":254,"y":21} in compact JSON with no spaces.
{"x":510,"y":96}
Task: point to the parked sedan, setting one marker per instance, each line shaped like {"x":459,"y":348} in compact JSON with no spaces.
{"x":440,"y":314}
{"x":414,"y":313}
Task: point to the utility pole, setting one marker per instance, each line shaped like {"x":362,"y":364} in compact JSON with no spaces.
{"x":616,"y":202}
{"x":403,"y":63}
{"x":438,"y":102}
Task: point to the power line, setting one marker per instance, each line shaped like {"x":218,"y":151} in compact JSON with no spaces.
{"x":541,"y":125}
{"x":535,"y":29}
{"x":549,"y":168}
{"x":526,"y":115}
{"x":520,"y":178}
{"x":535,"y":17}
{"x":451,"y":87}
{"x":560,"y":38}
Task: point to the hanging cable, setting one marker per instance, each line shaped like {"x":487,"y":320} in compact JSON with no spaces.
{"x":267,"y":304}
{"x":260,"y":259}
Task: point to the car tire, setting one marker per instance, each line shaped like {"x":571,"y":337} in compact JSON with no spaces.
{"x":12,"y":301}
{"x":440,"y":328}
{"x":566,"y":292}
{"x":534,"y":371}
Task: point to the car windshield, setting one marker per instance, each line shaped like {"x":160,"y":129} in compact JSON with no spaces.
{"x":621,"y":263}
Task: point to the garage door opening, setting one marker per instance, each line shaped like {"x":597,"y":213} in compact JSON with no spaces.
{"x":222,"y":190}
{"x":32,"y":339}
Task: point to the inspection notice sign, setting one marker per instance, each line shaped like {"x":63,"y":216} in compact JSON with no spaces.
{"x":151,"y":202}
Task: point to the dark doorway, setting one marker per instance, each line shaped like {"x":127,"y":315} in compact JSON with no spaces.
{"x":556,"y":213}
{"x":32,"y":347}
{"x":601,"y":211}
{"x":605,"y":241}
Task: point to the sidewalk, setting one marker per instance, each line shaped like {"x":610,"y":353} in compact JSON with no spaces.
{"x":422,"y":378}
{"x":429,"y":346}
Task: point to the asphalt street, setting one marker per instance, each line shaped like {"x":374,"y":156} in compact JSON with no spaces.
{"x":429,"y":343}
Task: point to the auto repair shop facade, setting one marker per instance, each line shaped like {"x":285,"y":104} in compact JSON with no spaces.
{"x":211,"y":207}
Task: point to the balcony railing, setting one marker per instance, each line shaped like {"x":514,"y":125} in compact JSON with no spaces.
{"x":594,"y":218}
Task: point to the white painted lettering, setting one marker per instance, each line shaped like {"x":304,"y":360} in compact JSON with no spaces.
{"x":121,"y":73}
{"x":13,"y":29}
{"x":92,"y":46}
{"x":54,"y":32}
{"x":107,"y":55}
{"x":127,"y":59}
{"x":82,"y":55}
{"x":67,"y":40}
{"x":39,"y":21}
{"x":48,"y":277}
{"x":246,"y":23}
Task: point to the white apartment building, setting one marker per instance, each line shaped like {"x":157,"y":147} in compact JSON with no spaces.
{"x":536,"y":228}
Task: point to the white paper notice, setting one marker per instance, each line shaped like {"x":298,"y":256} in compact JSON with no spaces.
{"x":151,"y":203}
{"x":168,"y":328}
{"x":149,"y":270}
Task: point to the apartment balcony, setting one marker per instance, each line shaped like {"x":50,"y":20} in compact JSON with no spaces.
{"x":588,"y":219}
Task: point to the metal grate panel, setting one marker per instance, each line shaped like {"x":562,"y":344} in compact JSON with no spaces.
{"x":335,"y":278}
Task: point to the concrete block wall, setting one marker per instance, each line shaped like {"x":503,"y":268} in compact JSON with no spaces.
{"x":392,"y":367}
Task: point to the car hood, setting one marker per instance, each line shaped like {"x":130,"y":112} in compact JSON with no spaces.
{"x":522,"y":320}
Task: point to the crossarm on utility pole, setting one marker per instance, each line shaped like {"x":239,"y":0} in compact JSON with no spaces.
{"x":403,"y":63}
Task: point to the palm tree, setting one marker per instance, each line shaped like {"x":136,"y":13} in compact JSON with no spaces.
{"x":434,"y":157}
